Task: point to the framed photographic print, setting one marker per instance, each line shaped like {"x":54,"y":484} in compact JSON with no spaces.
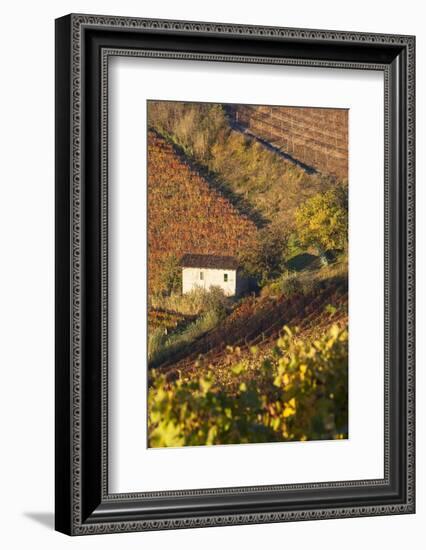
{"x":234,"y":274}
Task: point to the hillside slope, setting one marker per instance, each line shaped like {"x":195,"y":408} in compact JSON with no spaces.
{"x":185,"y":214}
{"x":270,"y":183}
{"x":258,"y":321}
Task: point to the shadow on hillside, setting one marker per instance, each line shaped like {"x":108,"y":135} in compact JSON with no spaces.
{"x":304,"y":261}
{"x":246,"y":131}
{"x":238,"y":202}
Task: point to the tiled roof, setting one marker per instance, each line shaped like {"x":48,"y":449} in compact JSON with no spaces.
{"x":209,"y":261}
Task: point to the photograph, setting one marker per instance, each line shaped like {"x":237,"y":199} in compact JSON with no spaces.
{"x":234,"y":273}
{"x":247,"y":268}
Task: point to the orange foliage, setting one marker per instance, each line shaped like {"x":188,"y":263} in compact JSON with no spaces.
{"x":186,"y":215}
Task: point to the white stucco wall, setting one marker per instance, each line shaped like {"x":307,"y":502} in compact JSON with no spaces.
{"x":211,"y":277}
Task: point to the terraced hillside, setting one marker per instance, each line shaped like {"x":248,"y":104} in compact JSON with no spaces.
{"x":270,"y":183}
{"x":317,"y":138}
{"x":268,"y":187}
{"x":258,"y":321}
{"x":185,"y":214}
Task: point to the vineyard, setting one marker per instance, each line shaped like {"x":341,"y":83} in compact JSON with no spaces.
{"x":267,"y":182}
{"x":318,"y":138}
{"x":299,"y":392}
{"x":257,"y":321}
{"x":271,"y":363}
{"x":185,"y":214}
{"x":252,"y":379}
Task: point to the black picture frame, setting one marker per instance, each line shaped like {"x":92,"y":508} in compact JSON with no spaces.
{"x":83,"y":45}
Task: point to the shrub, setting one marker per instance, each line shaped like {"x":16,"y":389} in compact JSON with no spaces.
{"x":291,"y":285}
{"x":170,"y":279}
{"x":162,"y":345}
{"x":294,"y":283}
{"x":263,"y":258}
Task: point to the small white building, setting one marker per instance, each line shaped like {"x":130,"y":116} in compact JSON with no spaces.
{"x":206,"y":270}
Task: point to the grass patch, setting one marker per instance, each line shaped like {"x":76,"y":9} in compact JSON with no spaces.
{"x":211,"y":307}
{"x":163,"y":346}
{"x":192,"y":303}
{"x":306,"y":280}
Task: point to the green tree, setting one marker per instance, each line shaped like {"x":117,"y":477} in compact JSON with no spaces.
{"x":322,"y":221}
{"x":264,"y":257}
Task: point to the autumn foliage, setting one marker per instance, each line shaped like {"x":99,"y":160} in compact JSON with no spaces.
{"x":224,"y":370}
{"x":305,"y":398}
{"x":185,"y":214}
